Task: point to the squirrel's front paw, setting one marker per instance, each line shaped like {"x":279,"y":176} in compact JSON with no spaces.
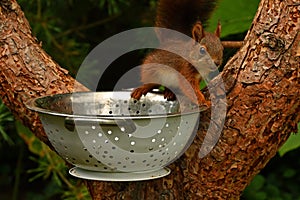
{"x":137,"y":93}
{"x":169,"y":95}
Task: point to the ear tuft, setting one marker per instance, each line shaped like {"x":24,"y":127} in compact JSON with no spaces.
{"x":218,"y":30}
{"x":198,"y":31}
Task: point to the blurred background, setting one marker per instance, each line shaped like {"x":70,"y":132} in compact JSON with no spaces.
{"x":69,"y":30}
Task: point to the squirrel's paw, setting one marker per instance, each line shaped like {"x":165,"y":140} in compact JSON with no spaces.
{"x":137,"y":93}
{"x":169,"y":95}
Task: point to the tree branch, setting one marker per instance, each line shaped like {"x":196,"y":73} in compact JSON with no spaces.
{"x":262,"y":87}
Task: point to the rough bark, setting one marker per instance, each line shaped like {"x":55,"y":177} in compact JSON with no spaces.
{"x":262,"y":91}
{"x":26,"y":70}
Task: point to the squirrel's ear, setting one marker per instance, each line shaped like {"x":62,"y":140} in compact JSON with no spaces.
{"x":198,"y":32}
{"x":218,"y":30}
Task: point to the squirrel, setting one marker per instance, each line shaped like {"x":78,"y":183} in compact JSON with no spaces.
{"x":161,"y":67}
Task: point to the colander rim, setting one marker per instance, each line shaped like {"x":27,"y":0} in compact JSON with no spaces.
{"x":31,"y":105}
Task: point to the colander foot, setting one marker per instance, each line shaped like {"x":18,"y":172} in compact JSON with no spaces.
{"x":119,"y":176}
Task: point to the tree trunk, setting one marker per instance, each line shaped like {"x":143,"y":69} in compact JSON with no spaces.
{"x":262,"y":92}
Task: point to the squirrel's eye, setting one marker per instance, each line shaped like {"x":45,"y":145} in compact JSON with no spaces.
{"x":202,"y":50}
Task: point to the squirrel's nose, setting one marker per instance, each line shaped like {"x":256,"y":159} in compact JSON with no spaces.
{"x":218,"y":62}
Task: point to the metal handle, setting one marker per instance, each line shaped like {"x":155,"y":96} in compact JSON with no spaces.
{"x":127,"y":124}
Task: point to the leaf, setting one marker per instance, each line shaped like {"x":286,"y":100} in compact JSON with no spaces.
{"x":235,"y":17}
{"x":34,"y":144}
{"x":292,"y":143}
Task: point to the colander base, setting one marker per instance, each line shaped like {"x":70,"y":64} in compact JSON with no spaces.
{"x":119,"y":176}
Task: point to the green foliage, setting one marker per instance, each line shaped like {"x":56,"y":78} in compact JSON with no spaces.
{"x":279,"y":180}
{"x":5,"y":117}
{"x":235,"y":16}
{"x":51,"y":167}
{"x":292,"y":143}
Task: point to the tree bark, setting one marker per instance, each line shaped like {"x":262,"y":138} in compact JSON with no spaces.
{"x":262,"y":92}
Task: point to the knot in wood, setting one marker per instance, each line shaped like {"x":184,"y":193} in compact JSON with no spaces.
{"x":273,"y":42}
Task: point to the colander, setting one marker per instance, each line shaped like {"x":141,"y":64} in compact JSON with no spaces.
{"x":109,"y":136}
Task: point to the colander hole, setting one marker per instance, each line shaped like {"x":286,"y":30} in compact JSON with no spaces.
{"x":143,"y":105}
{"x":132,"y":143}
{"x":117,"y":139}
{"x":122,"y":129}
{"x":153,"y":166}
{"x":129,"y":108}
{"x":155,"y":160}
{"x":119,"y":163}
{"x":105,"y":152}
{"x":87,"y":161}
{"x":148,"y":165}
{"x":109,"y":132}
{"x":117,"y":105}
{"x":131,"y":151}
{"x":150,"y":148}
{"x":179,"y":133}
{"x":124,"y":166}
{"x":103,"y":156}
{"x":129,"y":135}
{"x":160,"y":146}
{"x":90,"y":156}
{"x":106,"y":141}
{"x":176,"y":152}
{"x":151,"y":156}
{"x":109,"y":164}
{"x":113,"y":148}
{"x":56,"y":130}
{"x":174,"y":144}
{"x":65,"y":147}
{"x":95,"y":165}
{"x":153,"y":140}
{"x":127,"y":158}
{"x":125,"y":101}
{"x":161,"y":161}
{"x":51,"y":131}
{"x":164,"y":153}
{"x":135,"y":101}
{"x":144,"y":161}
{"x":111,"y":157}
{"x":149,"y":111}
{"x":86,"y":132}
{"x":167,"y":125}
{"x":85,"y":149}
{"x":100,"y":134}
{"x":137,"y":112}
{"x":93,"y":127}
{"x":162,"y":139}
{"x":74,"y":159}
{"x":110,"y":112}
{"x":159,"y":131}
{"x":61,"y":138}
{"x":94,"y":141}
{"x":132,"y":162}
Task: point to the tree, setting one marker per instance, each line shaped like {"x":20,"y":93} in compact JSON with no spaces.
{"x":262,"y":90}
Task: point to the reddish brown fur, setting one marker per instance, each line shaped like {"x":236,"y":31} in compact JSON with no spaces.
{"x":150,"y":72}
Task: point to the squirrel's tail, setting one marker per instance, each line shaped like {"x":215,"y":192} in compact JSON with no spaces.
{"x":181,"y":15}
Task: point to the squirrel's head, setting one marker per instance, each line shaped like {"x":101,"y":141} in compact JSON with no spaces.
{"x":210,"y":41}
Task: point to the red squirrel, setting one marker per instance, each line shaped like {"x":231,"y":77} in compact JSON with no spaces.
{"x":184,"y":16}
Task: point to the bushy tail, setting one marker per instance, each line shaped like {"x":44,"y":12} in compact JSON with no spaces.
{"x":181,"y":15}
